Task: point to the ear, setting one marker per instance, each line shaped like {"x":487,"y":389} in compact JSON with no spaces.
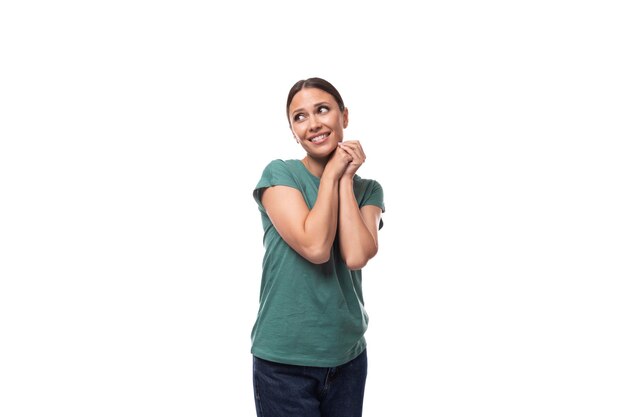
{"x":345,"y":117}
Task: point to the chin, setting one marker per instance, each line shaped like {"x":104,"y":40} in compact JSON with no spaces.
{"x":321,"y":151}
{"x":326,"y":152}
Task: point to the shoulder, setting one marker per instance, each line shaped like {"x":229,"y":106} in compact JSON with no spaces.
{"x":277,"y":172}
{"x":281,"y":165}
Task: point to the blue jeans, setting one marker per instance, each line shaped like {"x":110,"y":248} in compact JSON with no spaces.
{"x":306,"y":391}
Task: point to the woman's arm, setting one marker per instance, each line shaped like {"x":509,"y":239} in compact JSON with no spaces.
{"x":358,"y":228}
{"x":311,"y":233}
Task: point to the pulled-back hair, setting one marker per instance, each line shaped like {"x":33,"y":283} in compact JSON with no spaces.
{"x":314,"y":83}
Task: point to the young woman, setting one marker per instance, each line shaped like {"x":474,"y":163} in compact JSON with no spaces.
{"x":321,"y":224}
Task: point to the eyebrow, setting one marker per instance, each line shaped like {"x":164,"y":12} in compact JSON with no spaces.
{"x":316,"y":105}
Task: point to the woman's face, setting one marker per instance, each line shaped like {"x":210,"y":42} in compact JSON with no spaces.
{"x":316,"y":121}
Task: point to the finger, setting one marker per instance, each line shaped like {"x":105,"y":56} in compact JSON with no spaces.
{"x":351,"y":143}
{"x":354,"y":154}
{"x":356,"y":147}
{"x":344,"y":154}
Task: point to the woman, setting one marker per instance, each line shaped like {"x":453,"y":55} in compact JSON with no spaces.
{"x":321,"y":224}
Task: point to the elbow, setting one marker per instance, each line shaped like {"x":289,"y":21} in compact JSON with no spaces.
{"x":318,"y":260}
{"x":317,"y":255}
{"x":355,"y":263}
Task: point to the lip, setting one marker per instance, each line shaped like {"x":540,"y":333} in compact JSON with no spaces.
{"x":321,"y":141}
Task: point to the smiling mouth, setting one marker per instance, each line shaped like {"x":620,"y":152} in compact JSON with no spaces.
{"x":319,"y":138}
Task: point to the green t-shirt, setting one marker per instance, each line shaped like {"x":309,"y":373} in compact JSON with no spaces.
{"x":309,"y":314}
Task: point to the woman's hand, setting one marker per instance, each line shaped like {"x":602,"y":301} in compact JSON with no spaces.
{"x":338,"y":163}
{"x":357,"y":156}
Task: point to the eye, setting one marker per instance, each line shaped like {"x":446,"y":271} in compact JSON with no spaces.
{"x":298,"y":117}
{"x":323,"y":109}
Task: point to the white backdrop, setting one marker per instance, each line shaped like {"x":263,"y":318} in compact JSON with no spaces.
{"x":133,"y":132}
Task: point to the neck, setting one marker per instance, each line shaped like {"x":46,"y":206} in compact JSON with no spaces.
{"x":315,"y":165}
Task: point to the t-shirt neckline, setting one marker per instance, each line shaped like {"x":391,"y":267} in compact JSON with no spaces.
{"x":307,"y":170}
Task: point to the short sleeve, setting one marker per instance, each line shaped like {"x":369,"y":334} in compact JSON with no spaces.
{"x":275,"y":173}
{"x":374,"y":197}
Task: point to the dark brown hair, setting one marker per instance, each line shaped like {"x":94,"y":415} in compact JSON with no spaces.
{"x":314,"y":83}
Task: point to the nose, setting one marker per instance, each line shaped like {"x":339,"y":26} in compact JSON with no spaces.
{"x":314,"y":123}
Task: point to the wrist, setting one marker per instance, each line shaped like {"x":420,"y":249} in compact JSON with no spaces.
{"x":331,"y":177}
{"x":346,"y":181}
{"x":349,"y":171}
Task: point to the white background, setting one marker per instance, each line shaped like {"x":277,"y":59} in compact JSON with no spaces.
{"x":133,"y":132}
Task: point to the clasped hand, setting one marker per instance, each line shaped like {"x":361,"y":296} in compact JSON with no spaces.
{"x":346,"y":159}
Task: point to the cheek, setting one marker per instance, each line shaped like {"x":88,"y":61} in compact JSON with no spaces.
{"x":339,"y":131}
{"x":296,"y":134}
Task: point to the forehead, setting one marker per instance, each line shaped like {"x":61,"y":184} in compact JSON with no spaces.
{"x":308,"y":97}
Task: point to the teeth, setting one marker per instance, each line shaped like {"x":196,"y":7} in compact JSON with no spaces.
{"x":318,"y":138}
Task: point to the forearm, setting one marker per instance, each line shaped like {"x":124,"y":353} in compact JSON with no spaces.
{"x":320,"y":226}
{"x":356,"y":242}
